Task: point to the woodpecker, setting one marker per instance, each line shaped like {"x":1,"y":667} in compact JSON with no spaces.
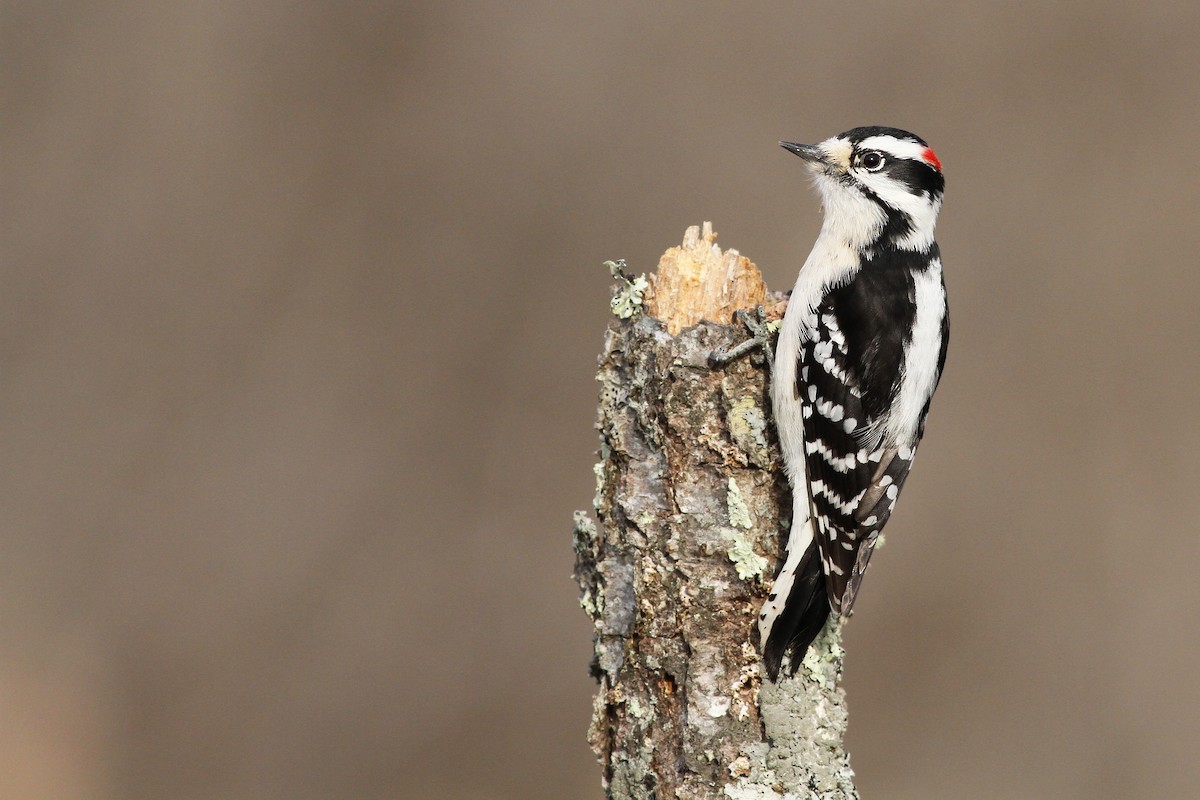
{"x":861,"y":350}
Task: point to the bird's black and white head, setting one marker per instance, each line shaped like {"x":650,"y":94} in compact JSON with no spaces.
{"x":880,"y":186}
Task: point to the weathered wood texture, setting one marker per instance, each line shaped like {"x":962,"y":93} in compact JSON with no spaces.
{"x":696,"y":281}
{"x":689,"y":501}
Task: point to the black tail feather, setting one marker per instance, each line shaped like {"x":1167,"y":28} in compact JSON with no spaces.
{"x":803,"y":616}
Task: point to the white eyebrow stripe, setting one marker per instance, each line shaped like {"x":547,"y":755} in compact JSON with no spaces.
{"x":901,"y":148}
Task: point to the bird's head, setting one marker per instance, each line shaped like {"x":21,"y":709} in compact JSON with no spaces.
{"x":879,"y":186}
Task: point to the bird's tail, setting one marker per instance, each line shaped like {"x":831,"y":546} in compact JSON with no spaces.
{"x":798,"y":605}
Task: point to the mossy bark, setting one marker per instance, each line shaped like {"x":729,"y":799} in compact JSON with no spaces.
{"x":691,"y":504}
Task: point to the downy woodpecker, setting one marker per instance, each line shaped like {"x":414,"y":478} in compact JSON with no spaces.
{"x":860,"y":352}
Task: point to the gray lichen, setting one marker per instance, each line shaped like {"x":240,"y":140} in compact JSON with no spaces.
{"x":630,"y":292}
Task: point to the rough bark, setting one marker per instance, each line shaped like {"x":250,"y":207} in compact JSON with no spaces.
{"x":690,"y":503}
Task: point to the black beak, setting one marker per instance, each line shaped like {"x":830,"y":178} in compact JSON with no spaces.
{"x":809,"y":152}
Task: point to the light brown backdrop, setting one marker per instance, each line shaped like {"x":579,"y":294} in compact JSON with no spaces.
{"x":299,"y":305}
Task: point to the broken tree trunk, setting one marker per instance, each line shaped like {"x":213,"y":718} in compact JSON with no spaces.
{"x":689,"y":500}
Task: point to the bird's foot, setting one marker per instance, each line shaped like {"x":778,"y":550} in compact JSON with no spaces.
{"x":762,"y":338}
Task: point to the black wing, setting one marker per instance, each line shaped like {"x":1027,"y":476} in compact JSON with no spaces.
{"x":852,"y":488}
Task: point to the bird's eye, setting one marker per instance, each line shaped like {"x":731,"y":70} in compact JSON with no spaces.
{"x":872,"y":161}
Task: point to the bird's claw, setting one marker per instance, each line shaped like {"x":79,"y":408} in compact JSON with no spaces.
{"x":762,"y":333}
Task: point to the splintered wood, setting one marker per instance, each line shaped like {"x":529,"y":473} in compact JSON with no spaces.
{"x":696,"y":281}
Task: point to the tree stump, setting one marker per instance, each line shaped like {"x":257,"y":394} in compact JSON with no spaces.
{"x":692,"y":508}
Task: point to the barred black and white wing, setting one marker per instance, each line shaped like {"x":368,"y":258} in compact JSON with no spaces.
{"x":843,"y":491}
{"x":853,"y":480}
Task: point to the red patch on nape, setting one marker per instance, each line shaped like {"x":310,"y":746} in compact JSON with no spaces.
{"x":932,"y":158}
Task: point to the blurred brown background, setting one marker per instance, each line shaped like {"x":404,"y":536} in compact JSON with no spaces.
{"x":299,"y":309}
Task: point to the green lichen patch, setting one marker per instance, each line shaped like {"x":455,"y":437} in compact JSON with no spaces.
{"x":749,"y":564}
{"x":739,"y":513}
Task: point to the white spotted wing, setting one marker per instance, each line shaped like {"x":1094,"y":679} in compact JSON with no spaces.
{"x":852,"y":486}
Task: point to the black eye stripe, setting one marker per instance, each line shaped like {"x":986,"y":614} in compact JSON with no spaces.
{"x":917,"y":175}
